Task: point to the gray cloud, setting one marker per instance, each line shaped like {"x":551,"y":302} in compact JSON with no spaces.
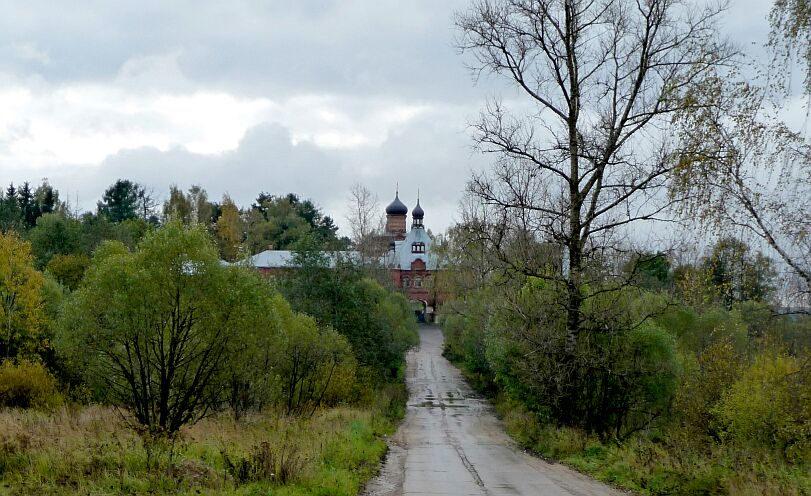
{"x":266,"y":160}
{"x":352,"y":69}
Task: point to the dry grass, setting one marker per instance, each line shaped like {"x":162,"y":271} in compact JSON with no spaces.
{"x":90,"y":450}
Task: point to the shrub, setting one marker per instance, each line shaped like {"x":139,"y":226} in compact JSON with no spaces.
{"x":27,"y":384}
{"x":706,"y":377}
{"x":68,"y":269}
{"x":621,"y":378}
{"x":770,"y":405}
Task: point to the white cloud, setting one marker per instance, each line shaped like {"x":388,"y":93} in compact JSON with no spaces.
{"x":151,"y":103}
{"x":30,"y":52}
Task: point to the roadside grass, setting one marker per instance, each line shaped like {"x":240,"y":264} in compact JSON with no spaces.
{"x":91,"y":450}
{"x":671,"y":463}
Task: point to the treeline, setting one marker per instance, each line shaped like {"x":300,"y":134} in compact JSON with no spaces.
{"x":62,"y":241}
{"x":687,"y":379}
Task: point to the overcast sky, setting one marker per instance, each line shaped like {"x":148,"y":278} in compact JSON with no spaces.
{"x":249,"y":96}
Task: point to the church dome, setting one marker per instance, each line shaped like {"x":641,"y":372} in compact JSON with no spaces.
{"x":418,"y":212}
{"x":397,"y":207}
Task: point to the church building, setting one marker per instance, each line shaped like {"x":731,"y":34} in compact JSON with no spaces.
{"x":410,"y":260}
{"x":406,"y":253}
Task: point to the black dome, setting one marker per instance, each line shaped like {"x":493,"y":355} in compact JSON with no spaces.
{"x":396,"y":207}
{"x":418,"y":212}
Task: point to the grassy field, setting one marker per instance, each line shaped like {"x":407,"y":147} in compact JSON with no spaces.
{"x":91,"y":450}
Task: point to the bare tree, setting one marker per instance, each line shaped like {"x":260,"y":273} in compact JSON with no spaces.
{"x":587,"y":153}
{"x":365,"y":219}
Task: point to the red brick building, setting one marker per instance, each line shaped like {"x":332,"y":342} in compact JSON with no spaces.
{"x":410,"y":259}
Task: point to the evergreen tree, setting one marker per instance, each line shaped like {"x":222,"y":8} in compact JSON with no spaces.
{"x":10,"y":214}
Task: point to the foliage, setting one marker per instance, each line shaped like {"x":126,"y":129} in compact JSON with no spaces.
{"x":464,"y":328}
{"x":737,"y":275}
{"x":790,"y":36}
{"x":229,"y":230}
{"x":190,"y":208}
{"x":662,"y":464}
{"x":707,"y":376}
{"x":156,"y":328}
{"x":742,"y":171}
{"x":21,"y":207}
{"x":68,"y":269}
{"x":288,"y":360}
{"x":284,"y":222}
{"x":770,"y":404}
{"x":698,"y":329}
{"x":650,"y":271}
{"x":125,"y":200}
{"x":624,"y":372}
{"x":27,"y":384}
{"x":378,"y":324}
{"x":10,"y":212}
{"x":309,"y":360}
{"x":21,"y":306}
{"x":55,"y":234}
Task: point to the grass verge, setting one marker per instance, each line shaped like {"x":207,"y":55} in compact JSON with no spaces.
{"x":669,"y":463}
{"x":90,"y":450}
{"x":673,"y":461}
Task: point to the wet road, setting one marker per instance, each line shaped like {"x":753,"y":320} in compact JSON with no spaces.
{"x":451,"y":443}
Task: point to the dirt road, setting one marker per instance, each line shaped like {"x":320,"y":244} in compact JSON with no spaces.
{"x":451,"y":443}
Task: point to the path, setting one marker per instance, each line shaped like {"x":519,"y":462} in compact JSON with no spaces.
{"x":451,"y":443}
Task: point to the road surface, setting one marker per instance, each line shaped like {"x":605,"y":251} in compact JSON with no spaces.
{"x":451,"y":443}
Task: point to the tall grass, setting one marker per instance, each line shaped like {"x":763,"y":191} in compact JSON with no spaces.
{"x":673,"y":462}
{"x":92,"y":450}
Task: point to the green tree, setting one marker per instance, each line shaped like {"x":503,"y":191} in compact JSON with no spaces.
{"x":47,"y":198}
{"x":55,"y":234}
{"x":308,"y":358}
{"x":125,"y":200}
{"x":650,"y":270}
{"x":287,"y":221}
{"x":736,"y":275}
{"x":379,"y":324}
{"x":10,"y":213}
{"x":29,"y":209}
{"x":68,"y":269}
{"x":189,"y":208}
{"x":229,"y":229}
{"x":157,"y":328}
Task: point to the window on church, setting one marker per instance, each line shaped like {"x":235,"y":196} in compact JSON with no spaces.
{"x":418,"y":247}
{"x":406,"y":282}
{"x":418,"y":282}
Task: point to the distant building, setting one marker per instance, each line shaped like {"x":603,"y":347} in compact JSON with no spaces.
{"x":408,"y":257}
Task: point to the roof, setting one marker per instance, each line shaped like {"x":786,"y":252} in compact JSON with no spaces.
{"x":402,"y":257}
{"x":279,"y":259}
{"x":397,"y":207}
{"x":418,"y":212}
